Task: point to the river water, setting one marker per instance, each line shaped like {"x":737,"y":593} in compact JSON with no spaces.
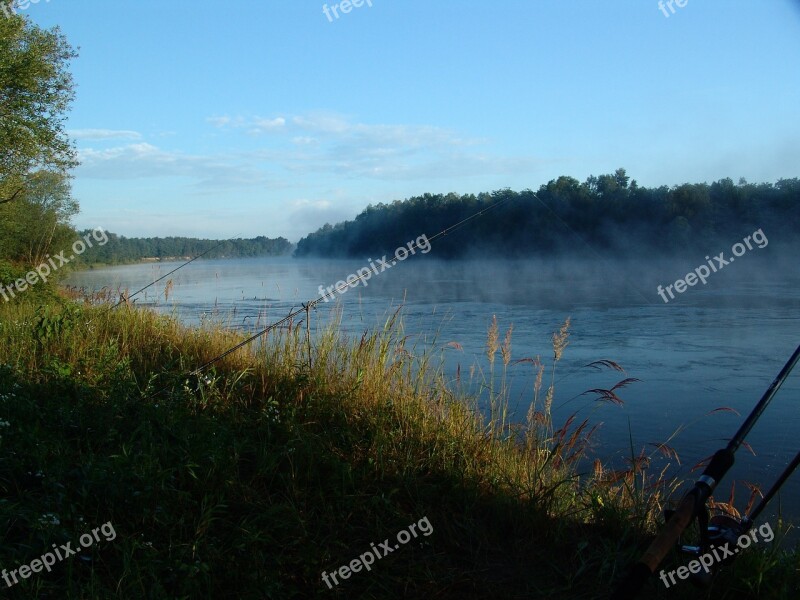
{"x":715,"y":345}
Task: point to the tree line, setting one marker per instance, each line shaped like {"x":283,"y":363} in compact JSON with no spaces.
{"x":120,"y":249}
{"x":609,"y":214}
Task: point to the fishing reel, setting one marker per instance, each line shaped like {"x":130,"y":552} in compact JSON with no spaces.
{"x":721,"y":537}
{"x":718,"y":545}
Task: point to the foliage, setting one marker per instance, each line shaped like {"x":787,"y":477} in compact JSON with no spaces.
{"x":120,"y":249}
{"x":251,"y":480}
{"x":50,"y":323}
{"x":610,"y":213}
{"x":10,"y":272}
{"x":36,"y":90}
{"x":37,"y":222}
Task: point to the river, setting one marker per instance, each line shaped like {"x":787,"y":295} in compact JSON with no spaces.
{"x":715,"y":345}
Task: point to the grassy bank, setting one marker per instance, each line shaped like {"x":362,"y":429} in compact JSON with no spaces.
{"x":274,"y":466}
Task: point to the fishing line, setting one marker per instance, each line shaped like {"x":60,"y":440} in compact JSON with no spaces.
{"x":588,"y":245}
{"x":693,"y":507}
{"x":108,"y":309}
{"x":170,"y":273}
{"x":324,"y":297}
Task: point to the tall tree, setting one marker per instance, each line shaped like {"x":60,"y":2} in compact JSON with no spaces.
{"x":36,"y":90}
{"x":38,"y":220}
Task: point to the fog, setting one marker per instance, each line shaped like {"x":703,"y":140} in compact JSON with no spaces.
{"x":714,"y":345}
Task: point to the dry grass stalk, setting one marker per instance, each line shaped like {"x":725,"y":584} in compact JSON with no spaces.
{"x":491,"y":341}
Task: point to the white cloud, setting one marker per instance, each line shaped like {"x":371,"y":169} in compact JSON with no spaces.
{"x":253,"y":125}
{"x":399,"y":153}
{"x":304,"y":152}
{"x":219,"y":121}
{"x":322,"y":123}
{"x":144,"y":160}
{"x":266,"y":125}
{"x":302,"y":203}
{"x":327,"y":143}
{"x":304,"y":215}
{"x":104,"y":134}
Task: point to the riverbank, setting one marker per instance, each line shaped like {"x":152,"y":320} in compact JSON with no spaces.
{"x":273,"y":467}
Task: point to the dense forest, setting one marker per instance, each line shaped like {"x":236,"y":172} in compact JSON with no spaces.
{"x":120,"y":249}
{"x":610,"y":213}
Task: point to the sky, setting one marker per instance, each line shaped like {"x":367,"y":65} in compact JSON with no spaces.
{"x":245,"y":118}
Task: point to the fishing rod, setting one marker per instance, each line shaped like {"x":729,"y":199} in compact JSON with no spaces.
{"x":693,"y":505}
{"x":136,"y":293}
{"x":124,"y":299}
{"x":747,"y":522}
{"x":724,"y":530}
{"x":323,"y":298}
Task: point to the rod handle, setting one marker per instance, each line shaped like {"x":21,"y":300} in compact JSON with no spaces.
{"x":666,"y":540}
{"x":669,"y":535}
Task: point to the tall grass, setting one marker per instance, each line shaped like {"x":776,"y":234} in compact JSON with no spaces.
{"x":289,"y":457}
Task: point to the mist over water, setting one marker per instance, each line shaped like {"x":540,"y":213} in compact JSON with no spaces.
{"x":715,"y":345}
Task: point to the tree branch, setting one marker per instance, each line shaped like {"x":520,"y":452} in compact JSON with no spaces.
{"x":12,"y":197}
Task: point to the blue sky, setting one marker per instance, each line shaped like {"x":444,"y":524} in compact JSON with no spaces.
{"x":244,"y":118}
